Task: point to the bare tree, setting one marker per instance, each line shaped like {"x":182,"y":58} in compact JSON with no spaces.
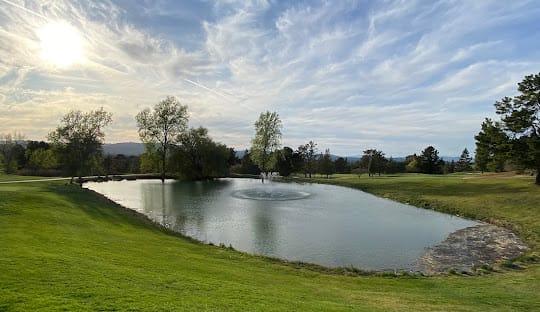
{"x":161,"y":127}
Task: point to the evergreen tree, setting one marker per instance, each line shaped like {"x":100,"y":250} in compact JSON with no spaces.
{"x":492,"y":145}
{"x":430,"y":162}
{"x":465,"y":162}
{"x":341,"y":165}
{"x":520,"y":116}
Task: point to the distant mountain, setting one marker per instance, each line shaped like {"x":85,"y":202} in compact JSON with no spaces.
{"x":128,"y":149}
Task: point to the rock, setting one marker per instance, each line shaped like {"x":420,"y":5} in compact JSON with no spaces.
{"x":467,"y":249}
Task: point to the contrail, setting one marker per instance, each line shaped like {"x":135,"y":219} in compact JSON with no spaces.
{"x":208,"y":89}
{"x":25,"y":9}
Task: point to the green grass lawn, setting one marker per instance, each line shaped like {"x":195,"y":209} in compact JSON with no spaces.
{"x":6,"y":177}
{"x":64,"y":248}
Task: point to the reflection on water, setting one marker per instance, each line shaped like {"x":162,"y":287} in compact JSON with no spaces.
{"x":325,"y":224}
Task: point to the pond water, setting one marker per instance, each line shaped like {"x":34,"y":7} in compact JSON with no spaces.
{"x":322,"y":224}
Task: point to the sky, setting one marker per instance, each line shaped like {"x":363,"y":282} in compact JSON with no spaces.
{"x":350,"y":75}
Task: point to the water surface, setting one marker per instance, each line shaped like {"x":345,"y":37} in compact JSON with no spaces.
{"x":322,"y":224}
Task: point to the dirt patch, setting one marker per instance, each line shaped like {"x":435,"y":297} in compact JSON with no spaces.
{"x":471,"y":248}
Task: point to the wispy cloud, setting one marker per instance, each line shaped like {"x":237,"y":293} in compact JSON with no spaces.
{"x":396,"y":75}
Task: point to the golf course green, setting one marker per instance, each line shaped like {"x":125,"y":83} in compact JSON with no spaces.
{"x":67,"y":248}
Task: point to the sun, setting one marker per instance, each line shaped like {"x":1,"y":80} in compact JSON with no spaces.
{"x":61,"y":44}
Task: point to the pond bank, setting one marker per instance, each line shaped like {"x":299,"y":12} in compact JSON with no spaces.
{"x":469,"y":249}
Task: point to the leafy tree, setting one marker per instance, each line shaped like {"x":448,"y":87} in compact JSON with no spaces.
{"x":78,"y":140}
{"x":430,"y":162}
{"x":198,"y":157}
{"x":342,"y":165}
{"x":285,"y":161}
{"x":233,"y":159}
{"x":464,"y":163}
{"x":150,"y":160}
{"x":412,"y":163}
{"x":373,"y":161}
{"x":267,"y":140}
{"x":308,"y":154}
{"x":520,"y":117}
{"x":247,"y":166}
{"x":326,"y":165}
{"x":12,"y":152}
{"x":120,"y":163}
{"x":161,"y":127}
{"x":492,"y":147}
{"x":41,"y":159}
{"x":297,"y":162}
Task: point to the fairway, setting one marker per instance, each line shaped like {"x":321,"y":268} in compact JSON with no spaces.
{"x":65,"y":248}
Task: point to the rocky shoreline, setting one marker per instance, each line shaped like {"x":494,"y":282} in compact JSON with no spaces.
{"x":469,"y":249}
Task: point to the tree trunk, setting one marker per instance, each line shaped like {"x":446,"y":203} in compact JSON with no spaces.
{"x":537,"y":176}
{"x":164,"y":157}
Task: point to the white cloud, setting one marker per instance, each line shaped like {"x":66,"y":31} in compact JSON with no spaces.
{"x":391,"y":74}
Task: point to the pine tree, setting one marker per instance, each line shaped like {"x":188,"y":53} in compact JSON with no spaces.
{"x":430,"y":162}
{"x":492,"y":145}
{"x":465,"y":162}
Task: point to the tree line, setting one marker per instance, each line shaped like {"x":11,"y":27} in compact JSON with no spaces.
{"x":308,"y":161}
{"x":75,"y":147}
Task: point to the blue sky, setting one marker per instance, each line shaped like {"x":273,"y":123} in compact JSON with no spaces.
{"x":350,"y":75}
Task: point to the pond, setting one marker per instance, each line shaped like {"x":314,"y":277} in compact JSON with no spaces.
{"x":322,"y":224}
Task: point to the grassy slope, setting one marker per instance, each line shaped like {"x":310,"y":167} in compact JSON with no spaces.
{"x":66,"y":248}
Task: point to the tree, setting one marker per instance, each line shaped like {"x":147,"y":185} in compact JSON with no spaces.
{"x":247,"y":166}
{"x":341,"y":165}
{"x":149,"y":161}
{"x":412,"y":163}
{"x":79,"y":139}
{"x":430,"y":162}
{"x":41,"y":159}
{"x":12,"y":152}
{"x":449,"y":167}
{"x":161,"y":127}
{"x":464,"y":163}
{"x":393,"y":166}
{"x":492,"y":147}
{"x":308,"y":154}
{"x":233,"y":159}
{"x":266,"y":141}
{"x":326,"y":165}
{"x":520,"y":117}
{"x":285,"y":160}
{"x":373,"y":161}
{"x":198,"y":157}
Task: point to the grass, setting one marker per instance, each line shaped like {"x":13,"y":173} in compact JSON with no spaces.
{"x":6,"y":177}
{"x":64,"y":248}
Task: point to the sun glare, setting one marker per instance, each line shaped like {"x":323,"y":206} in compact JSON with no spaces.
{"x":61,"y":44}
